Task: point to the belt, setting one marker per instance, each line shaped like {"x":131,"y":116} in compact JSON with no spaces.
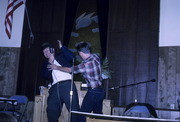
{"x":62,"y":81}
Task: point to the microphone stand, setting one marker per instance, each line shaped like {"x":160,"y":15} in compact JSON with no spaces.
{"x":117,"y":87}
{"x":148,"y":106}
{"x":71,"y":91}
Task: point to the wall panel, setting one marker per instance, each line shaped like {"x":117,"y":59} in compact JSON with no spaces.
{"x":9,"y":61}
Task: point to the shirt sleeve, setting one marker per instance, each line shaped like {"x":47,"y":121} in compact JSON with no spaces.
{"x":67,"y":53}
{"x":79,"y":68}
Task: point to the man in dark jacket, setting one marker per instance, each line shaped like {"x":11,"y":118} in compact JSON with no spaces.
{"x":59,"y":92}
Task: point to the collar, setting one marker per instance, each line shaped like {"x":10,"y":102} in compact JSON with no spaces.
{"x":87,"y":59}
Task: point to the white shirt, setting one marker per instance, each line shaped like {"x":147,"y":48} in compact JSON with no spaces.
{"x":59,"y":76}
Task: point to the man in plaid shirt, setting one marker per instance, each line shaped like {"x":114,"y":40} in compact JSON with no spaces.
{"x":91,"y":70}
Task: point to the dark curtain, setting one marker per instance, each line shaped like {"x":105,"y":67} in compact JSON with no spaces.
{"x":133,"y":50}
{"x":102,"y":12}
{"x":71,"y":8}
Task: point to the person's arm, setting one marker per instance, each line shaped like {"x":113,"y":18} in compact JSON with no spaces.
{"x":55,"y":67}
{"x":76,"y":69}
{"x":67,"y":54}
{"x":64,"y":69}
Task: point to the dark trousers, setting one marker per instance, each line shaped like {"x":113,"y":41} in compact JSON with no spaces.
{"x":93,"y":101}
{"x":59,"y":93}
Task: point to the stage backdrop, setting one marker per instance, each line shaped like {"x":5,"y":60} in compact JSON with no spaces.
{"x":85,"y":28}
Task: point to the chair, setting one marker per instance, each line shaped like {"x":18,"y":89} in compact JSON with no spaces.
{"x":18,"y":108}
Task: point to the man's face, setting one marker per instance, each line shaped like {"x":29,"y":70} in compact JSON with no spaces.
{"x":81,"y":54}
{"x":46,"y":52}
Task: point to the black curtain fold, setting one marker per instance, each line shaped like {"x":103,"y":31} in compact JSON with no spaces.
{"x":133,"y":50}
{"x":71,"y":8}
{"x":102,"y":12}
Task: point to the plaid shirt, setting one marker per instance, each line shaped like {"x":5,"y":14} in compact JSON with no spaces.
{"x":91,"y":70}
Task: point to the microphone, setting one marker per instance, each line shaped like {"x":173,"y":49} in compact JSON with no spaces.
{"x":113,"y":88}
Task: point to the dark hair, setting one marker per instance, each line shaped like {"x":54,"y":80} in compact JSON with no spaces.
{"x":45,"y":45}
{"x":84,"y":47}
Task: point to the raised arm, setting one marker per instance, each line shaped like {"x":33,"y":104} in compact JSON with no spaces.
{"x":67,"y":54}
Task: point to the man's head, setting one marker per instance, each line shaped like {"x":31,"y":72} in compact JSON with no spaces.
{"x":84,"y":49}
{"x":48,"y":50}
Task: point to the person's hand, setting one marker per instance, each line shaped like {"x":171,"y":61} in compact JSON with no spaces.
{"x":51,"y":59}
{"x":60,"y":44}
{"x":52,"y":67}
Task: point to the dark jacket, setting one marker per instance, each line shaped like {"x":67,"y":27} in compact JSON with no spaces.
{"x":64,"y":58}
